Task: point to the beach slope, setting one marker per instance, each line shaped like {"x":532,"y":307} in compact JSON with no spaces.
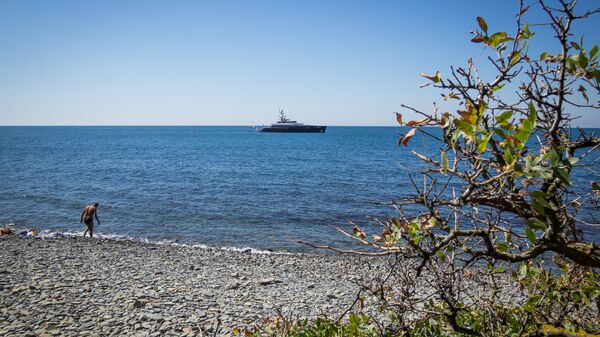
{"x":92,"y":287}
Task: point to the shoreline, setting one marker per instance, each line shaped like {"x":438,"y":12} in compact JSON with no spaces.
{"x":49,"y":234}
{"x":86,"y":287}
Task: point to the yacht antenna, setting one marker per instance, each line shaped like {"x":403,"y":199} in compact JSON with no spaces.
{"x":282,"y":116}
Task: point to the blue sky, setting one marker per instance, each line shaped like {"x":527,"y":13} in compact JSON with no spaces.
{"x":235,"y":62}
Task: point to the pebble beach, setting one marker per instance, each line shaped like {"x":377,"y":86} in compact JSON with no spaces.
{"x":77,"y":286}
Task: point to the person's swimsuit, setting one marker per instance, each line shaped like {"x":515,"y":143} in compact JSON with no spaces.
{"x":88,"y":220}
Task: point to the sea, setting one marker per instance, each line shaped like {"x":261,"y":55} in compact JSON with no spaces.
{"x":213,"y":186}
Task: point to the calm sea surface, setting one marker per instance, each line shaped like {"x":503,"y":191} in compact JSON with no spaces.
{"x":220,"y":186}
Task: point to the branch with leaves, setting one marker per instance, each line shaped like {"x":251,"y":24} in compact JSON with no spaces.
{"x":515,"y":158}
{"x":501,"y":190}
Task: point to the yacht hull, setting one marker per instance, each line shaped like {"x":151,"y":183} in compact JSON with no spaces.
{"x":295,"y":129}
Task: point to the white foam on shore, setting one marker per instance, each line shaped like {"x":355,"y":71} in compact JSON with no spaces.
{"x":53,"y":235}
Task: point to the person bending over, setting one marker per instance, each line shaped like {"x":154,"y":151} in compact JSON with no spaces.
{"x":88,"y":214}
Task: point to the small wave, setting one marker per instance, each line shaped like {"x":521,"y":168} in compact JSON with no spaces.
{"x":49,"y":234}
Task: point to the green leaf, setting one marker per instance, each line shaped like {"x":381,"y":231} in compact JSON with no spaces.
{"x":535,"y":223}
{"x":484,"y":142}
{"x":523,"y":270}
{"x":514,"y":58}
{"x":508,"y":157}
{"x":455,"y":135}
{"x":542,"y":172}
{"x":464,"y":126}
{"x":553,"y":156}
{"x":576,"y":297}
{"x":435,"y":78}
{"x":468,"y":117}
{"x":563,"y":175}
{"x":482,"y":107}
{"x":501,"y":246}
{"x":522,"y":136}
{"x":528,"y":162}
{"x":527,"y":34}
{"x":582,"y":61}
{"x":543,"y":202}
{"x":530,"y":235}
{"x":538,"y":207}
{"x":498,"y":38}
{"x":572,"y":63}
{"x":527,"y":126}
{"x":498,"y":87}
{"x":518,"y":169}
{"x":524,"y":133}
{"x":543,"y":56}
{"x":532,"y":117}
{"x":540,"y":194}
{"x":594,"y":52}
{"x":537,"y":159}
{"x":534,"y":299}
{"x":500,"y":133}
{"x":482,"y":24}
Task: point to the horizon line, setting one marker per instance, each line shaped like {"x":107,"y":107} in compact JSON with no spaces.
{"x":217,"y":125}
{"x":143,"y":125}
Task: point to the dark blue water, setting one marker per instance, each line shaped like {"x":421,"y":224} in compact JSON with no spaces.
{"x":221,"y":186}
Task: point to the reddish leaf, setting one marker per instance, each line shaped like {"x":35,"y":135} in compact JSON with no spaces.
{"x":445,"y":119}
{"x":478,"y":39}
{"x":386,"y":232}
{"x":399,"y":118}
{"x":482,"y":24}
{"x":407,"y":137}
{"x":359,"y":232}
{"x":450,"y":95}
{"x":467,"y":116}
{"x":417,"y":123}
{"x":583,"y":93}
